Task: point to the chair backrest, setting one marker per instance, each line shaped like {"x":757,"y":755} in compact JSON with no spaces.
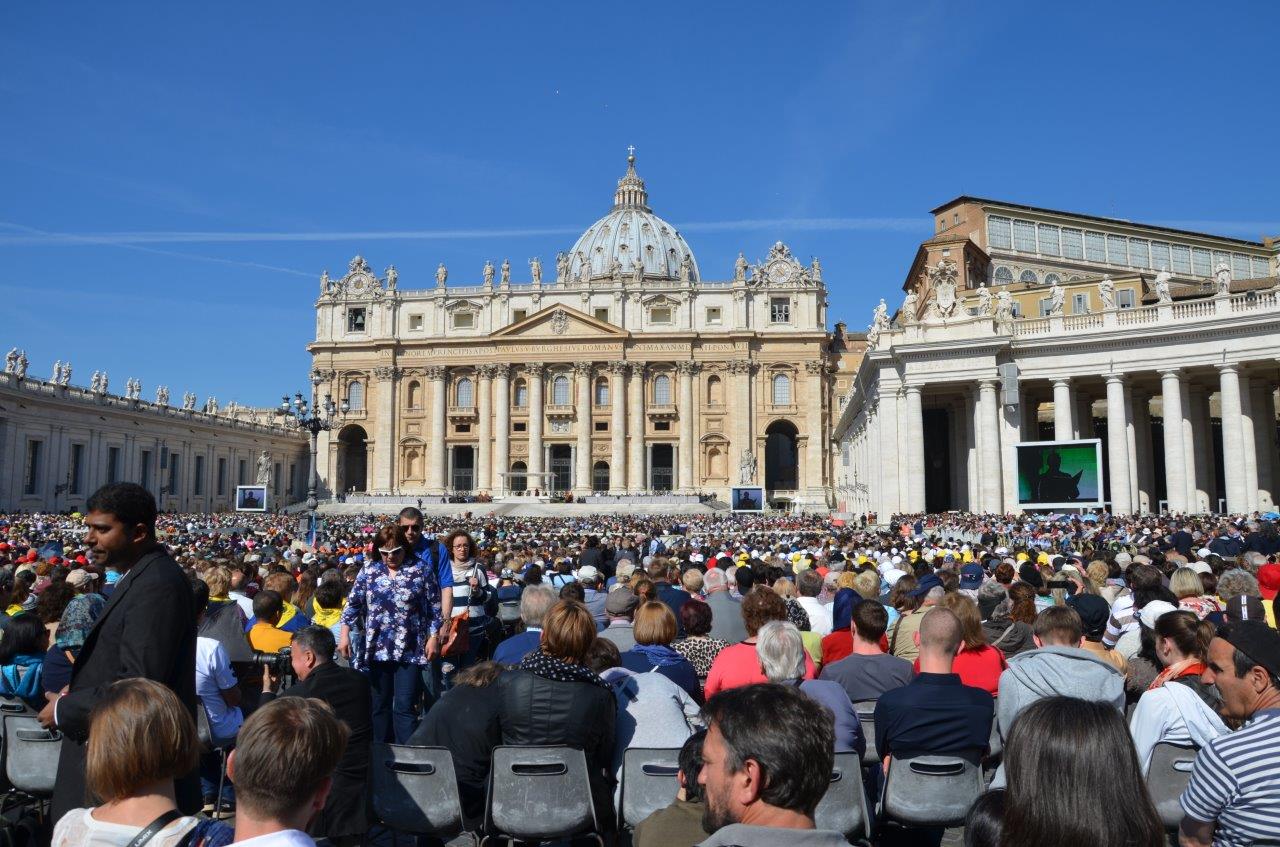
{"x":843,"y":808}
{"x":539,"y":794}
{"x":204,"y":733}
{"x":866,"y":710}
{"x":995,"y":746}
{"x":415,"y":789}
{"x":931,"y":790}
{"x":31,"y":755}
{"x":14,"y":706}
{"x":649,"y":783}
{"x":1167,"y":778}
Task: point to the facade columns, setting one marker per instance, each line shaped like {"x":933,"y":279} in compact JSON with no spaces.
{"x":582,"y":372}
{"x":1175,"y":451}
{"x":740,"y":435}
{"x":1232,"y":438}
{"x":636,"y":481}
{"x":1264,"y":436}
{"x":534,"y":374}
{"x":992,"y":479}
{"x":1140,"y":453}
{"x":1202,"y":447}
{"x":1118,"y":446}
{"x":618,"y":427}
{"x":972,"y":448}
{"x":686,"y":457}
{"x":502,"y":426}
{"x":1248,"y":443}
{"x":384,"y":433}
{"x":484,"y":408}
{"x":437,"y":457}
{"x":815,"y":469}
{"x":1063,"y":425}
{"x":914,"y":432}
{"x":1190,"y":450}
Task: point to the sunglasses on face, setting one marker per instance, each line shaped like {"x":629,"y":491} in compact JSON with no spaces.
{"x":390,"y":552}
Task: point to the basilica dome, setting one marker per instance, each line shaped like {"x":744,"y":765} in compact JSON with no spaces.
{"x":631,"y":230}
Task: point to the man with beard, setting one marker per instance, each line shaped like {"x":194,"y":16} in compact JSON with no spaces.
{"x":762,"y":777}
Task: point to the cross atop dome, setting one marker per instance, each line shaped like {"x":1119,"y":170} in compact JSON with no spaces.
{"x":631,"y":193}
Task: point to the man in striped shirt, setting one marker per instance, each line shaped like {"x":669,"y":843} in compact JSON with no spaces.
{"x":1234,"y":792}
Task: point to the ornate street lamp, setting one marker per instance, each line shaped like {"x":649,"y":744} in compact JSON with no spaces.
{"x":313,"y":417}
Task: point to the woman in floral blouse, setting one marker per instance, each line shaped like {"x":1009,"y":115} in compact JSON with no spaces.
{"x":391,"y":604}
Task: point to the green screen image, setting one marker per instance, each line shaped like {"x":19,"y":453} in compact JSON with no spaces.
{"x":1060,"y":473}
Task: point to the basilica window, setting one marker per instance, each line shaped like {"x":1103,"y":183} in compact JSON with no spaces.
{"x":600,"y":477}
{"x":518,"y":315}
{"x":662,"y":390}
{"x":780,"y":310}
{"x":602,"y":392}
{"x":415,"y":323}
{"x":602,"y":314}
{"x":713,"y":315}
{"x":466,"y":393}
{"x":355,"y":395}
{"x":521,"y":392}
{"x":464,"y":320}
{"x":715,"y":391}
{"x":517,"y":480}
{"x":560,"y":391}
{"x":660,"y":315}
{"x":414,"y":395}
{"x":355,"y":320}
{"x":781,"y":390}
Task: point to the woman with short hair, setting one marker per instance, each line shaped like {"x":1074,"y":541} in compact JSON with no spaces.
{"x":1189,"y":588}
{"x":654,"y":628}
{"x":141,"y":739}
{"x":698,"y":646}
{"x":781,"y":654}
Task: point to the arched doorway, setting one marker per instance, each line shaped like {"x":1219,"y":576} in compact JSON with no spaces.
{"x":781,"y":459}
{"x":600,"y":477}
{"x":353,"y":458}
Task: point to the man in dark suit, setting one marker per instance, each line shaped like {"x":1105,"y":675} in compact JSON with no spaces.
{"x":147,"y":629}
{"x":343,"y":820}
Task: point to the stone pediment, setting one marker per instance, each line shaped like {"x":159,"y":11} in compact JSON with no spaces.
{"x":560,"y":322}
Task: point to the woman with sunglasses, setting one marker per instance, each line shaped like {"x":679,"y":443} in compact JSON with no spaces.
{"x":392,"y":604}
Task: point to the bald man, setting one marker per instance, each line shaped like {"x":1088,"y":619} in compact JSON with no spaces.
{"x":935,"y":714}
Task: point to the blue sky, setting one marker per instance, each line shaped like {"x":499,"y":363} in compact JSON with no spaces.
{"x":174,"y":177}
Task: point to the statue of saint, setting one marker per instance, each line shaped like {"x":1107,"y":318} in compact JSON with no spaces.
{"x":11,"y":360}
{"x":162,"y":395}
{"x":535,"y":269}
{"x":505,"y":278}
{"x":21,"y":369}
{"x":1163,"y":295}
{"x":910,"y":307}
{"x":686,"y":268}
{"x":747,"y":467}
{"x":1222,"y":279}
{"x":637,"y":270}
{"x":880,"y":316}
{"x":264,"y":468}
{"x":1004,"y":307}
{"x":1107,"y":293}
{"x":562,"y":267}
{"x":1057,"y":296}
{"x":66,"y":375}
{"x":584,"y":268}
{"x":815,"y":270}
{"x":95,"y":382}
{"x":615,"y":270}
{"x":442,"y":274}
{"x":57,"y":372}
{"x":325,"y":284}
{"x":392,"y":276}
{"x":984,"y":300}
{"x":740,"y":268}
{"x":488,"y":274}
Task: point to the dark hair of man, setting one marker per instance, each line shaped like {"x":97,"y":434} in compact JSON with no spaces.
{"x":745,"y":578}
{"x":809,"y":583}
{"x":284,"y":751}
{"x":795,"y":756}
{"x":328,"y":595}
{"x":479,"y":675}
{"x":603,"y":655}
{"x":199,"y":595}
{"x":411,"y":513}
{"x":985,"y":822}
{"x":691,"y":763}
{"x":129,"y":502}
{"x":1067,"y":758}
{"x":870,"y":620}
{"x":318,"y":639}
{"x":573,"y":591}
{"x":1060,"y":625}
{"x":24,"y":636}
{"x":267,"y":604}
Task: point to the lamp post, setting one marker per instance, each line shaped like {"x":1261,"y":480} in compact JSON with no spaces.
{"x":313,"y":417}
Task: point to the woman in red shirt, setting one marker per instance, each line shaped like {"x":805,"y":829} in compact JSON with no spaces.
{"x":978,"y":663}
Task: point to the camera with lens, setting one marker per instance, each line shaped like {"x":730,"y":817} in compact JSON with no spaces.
{"x":278,"y":662}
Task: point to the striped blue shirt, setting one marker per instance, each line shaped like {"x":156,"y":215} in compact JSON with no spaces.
{"x":1236,"y":783}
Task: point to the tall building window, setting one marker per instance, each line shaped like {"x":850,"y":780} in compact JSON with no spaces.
{"x":464,"y":320}
{"x":1125,"y":298}
{"x":242,"y":472}
{"x":1079,"y":304}
{"x":1117,"y":250}
{"x":1046,"y":305}
{"x":1181,"y":259}
{"x":521,"y":392}
{"x":999,"y":232}
{"x":780,"y":310}
{"x":1201,"y":262}
{"x":1024,"y":236}
{"x":197,"y":484}
{"x":602,"y":392}
{"x":1047,"y":235}
{"x":144,"y":469}
{"x":781,"y":390}
{"x":355,"y":395}
{"x":1095,"y":247}
{"x":355,"y":320}
{"x":222,"y":476}
{"x":1259,"y":268}
{"x":466,"y":393}
{"x":1139,"y":253}
{"x":560,"y":390}
{"x":1072,"y":243}
{"x":113,"y":464}
{"x":715,"y":390}
{"x":662,"y":390}
{"x":1239,"y":266}
{"x":660,"y":315}
{"x":600,"y":477}
{"x":1160,"y":255}
{"x":76,"y":475}
{"x":414,"y":395}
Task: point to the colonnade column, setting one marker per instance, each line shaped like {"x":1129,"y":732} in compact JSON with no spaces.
{"x":502,"y":426}
{"x":618,"y":427}
{"x":1175,"y":452}
{"x":582,"y":372}
{"x":1264,"y":438}
{"x":991,"y":480}
{"x":1118,"y":446}
{"x":1248,"y":449}
{"x":1063,"y":427}
{"x":635,"y":430}
{"x":1232,"y":437}
{"x":1190,"y":450}
{"x":384,"y":433}
{"x":687,"y":411}
{"x":815,"y":472}
{"x":437,"y":458}
{"x":972,"y":447}
{"x":1142,"y":463}
{"x":484,"y":409}
{"x":534,"y":374}
{"x":915,"y":450}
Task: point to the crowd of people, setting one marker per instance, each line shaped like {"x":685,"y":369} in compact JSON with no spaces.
{"x":1052,"y":653}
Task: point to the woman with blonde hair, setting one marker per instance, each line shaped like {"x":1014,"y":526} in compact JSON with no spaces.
{"x":141,"y":739}
{"x":1187,"y":586}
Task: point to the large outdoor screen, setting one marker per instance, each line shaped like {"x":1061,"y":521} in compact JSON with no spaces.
{"x":1060,"y":474}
